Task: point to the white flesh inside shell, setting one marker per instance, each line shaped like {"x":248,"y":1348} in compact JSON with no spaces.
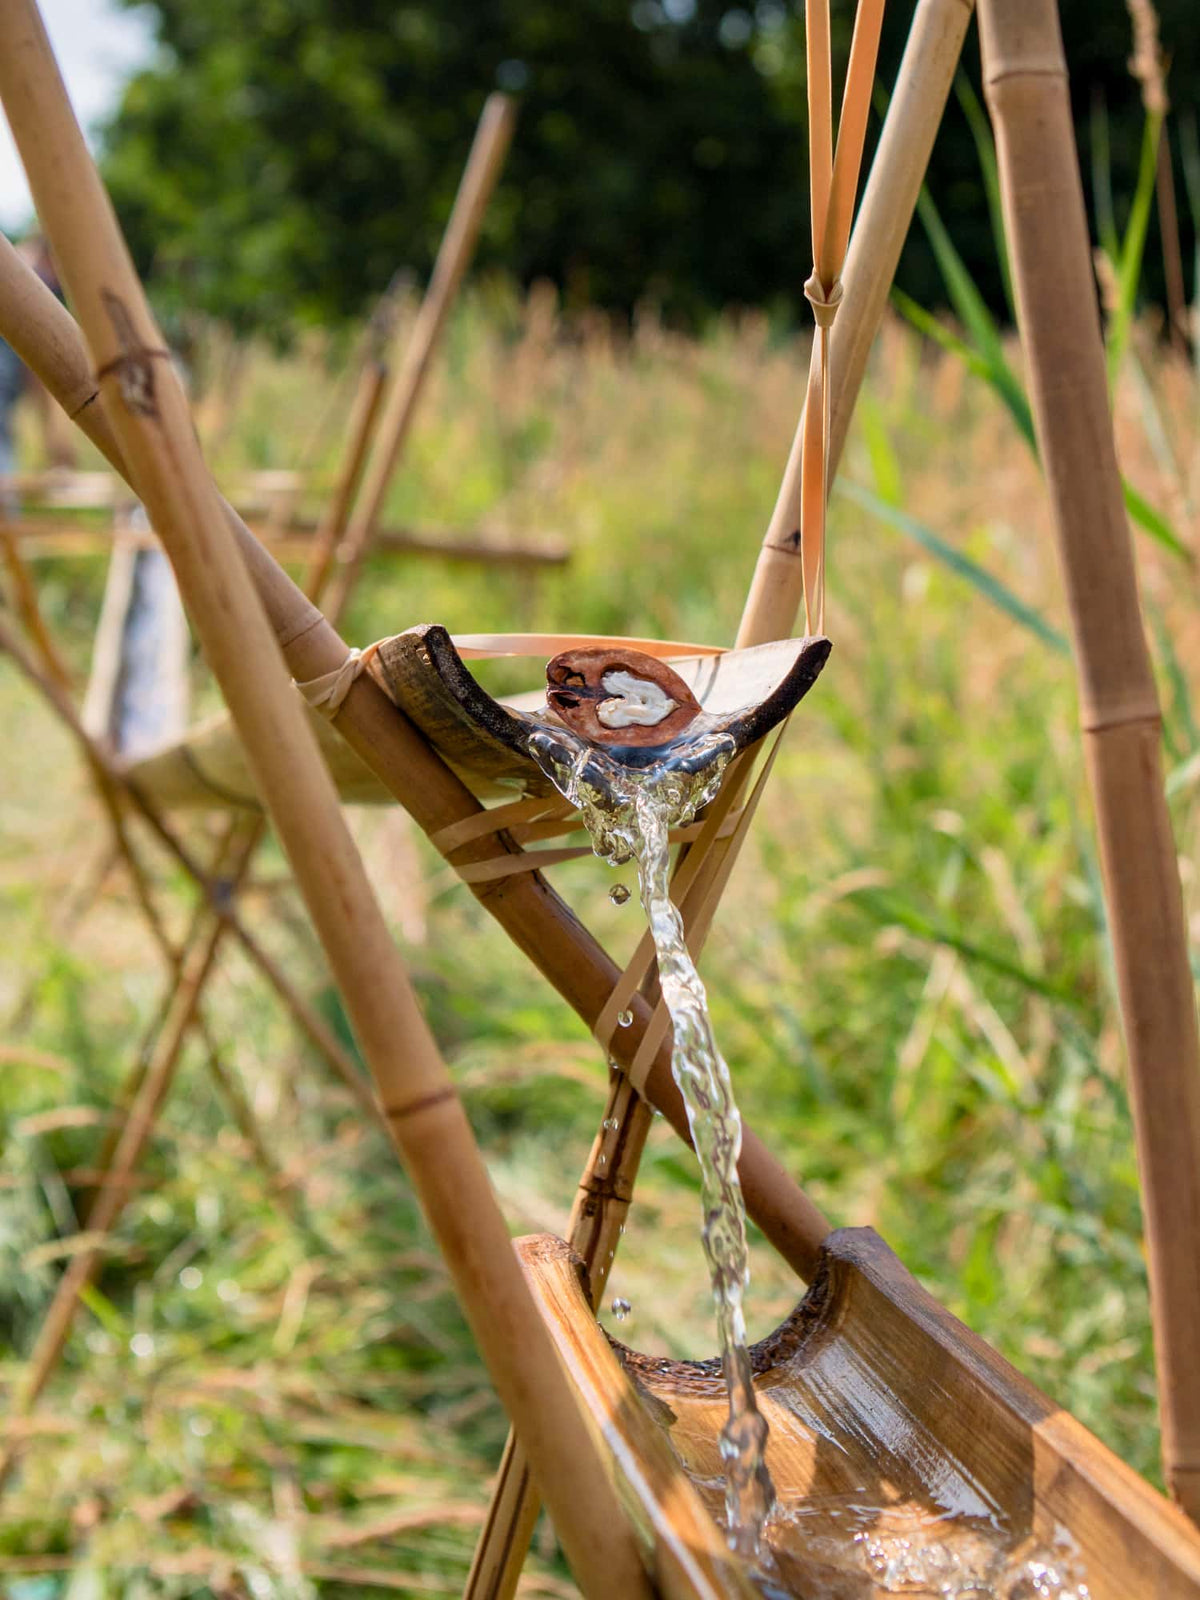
{"x":636,"y":702}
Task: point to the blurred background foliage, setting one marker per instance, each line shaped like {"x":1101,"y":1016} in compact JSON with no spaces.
{"x":279,"y":157}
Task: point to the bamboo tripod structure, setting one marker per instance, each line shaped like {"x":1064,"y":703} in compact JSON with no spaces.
{"x":190,"y":968}
{"x":1026,"y":90}
{"x":150,"y":423}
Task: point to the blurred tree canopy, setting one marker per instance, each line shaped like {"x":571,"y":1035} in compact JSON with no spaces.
{"x":280,"y":159}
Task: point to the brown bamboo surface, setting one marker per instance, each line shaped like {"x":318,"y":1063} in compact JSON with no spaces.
{"x":914,"y":115}
{"x":897,"y":1436}
{"x":238,"y":843}
{"x":1026,"y":82}
{"x":45,"y":336}
{"x":149,"y":417}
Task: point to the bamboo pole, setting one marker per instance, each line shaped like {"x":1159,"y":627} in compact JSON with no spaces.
{"x":1026,"y":82}
{"x":363,"y":416}
{"x":149,"y":417}
{"x":605,"y":1192}
{"x":458,"y":243}
{"x":526,"y":906}
{"x":913,"y":118}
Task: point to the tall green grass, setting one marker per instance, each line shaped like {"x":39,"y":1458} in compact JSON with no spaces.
{"x":910,"y":975}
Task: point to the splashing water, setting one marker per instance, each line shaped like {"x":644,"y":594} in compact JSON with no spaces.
{"x":628,"y":812}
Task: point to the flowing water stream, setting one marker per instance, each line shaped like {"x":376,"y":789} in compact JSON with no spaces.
{"x":629,"y":812}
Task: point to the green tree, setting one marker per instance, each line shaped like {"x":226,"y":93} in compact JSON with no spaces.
{"x":281,"y":158}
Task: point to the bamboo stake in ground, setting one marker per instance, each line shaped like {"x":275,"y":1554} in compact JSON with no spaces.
{"x":1026,"y":82}
{"x":149,"y":416}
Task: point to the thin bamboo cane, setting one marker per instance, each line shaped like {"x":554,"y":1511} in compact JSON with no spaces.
{"x":458,"y":243}
{"x":149,"y":417}
{"x":547,"y":931}
{"x":363,"y":417}
{"x":28,"y":609}
{"x":914,"y":115}
{"x":218,"y":898}
{"x":1026,"y":82}
{"x":107,"y":791}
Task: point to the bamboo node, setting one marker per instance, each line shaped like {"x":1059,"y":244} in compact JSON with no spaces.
{"x":134,"y":366}
{"x":824,"y":302}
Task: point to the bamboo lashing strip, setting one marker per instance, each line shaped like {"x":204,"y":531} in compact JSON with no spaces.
{"x":833,"y":182}
{"x":493,"y":646}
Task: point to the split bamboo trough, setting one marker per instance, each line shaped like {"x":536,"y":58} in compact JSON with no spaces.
{"x":908,"y":1456}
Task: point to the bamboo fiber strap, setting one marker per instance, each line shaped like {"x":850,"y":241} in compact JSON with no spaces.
{"x":833,"y":183}
{"x":481,"y":823}
{"x":327,"y":694}
{"x":485,"y":646}
{"x":534,"y":860}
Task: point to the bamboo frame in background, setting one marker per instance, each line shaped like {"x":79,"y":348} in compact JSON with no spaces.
{"x":46,"y":338}
{"x":1025,"y":79}
{"x":149,"y":417}
{"x":149,"y":1082}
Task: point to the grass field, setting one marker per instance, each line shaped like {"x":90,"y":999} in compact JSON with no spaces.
{"x":272,"y":1393}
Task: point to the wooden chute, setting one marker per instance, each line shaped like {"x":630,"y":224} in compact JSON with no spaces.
{"x":907,"y":1455}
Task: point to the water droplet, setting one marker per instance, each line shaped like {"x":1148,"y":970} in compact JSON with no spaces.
{"x":601,"y":1160}
{"x":621,"y":1309}
{"x":619,"y":894}
{"x":624,"y":1018}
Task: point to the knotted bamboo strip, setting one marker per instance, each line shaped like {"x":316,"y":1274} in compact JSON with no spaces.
{"x":150,"y":420}
{"x":1026,"y":82}
{"x":458,"y":243}
{"x":542,"y":927}
{"x":897,"y":172}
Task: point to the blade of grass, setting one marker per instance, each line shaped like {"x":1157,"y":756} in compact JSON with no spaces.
{"x":1133,"y":246}
{"x":981,"y":132}
{"x":1102,"y":195}
{"x":890,"y":909}
{"x":971,"y":310}
{"x":984,"y":582}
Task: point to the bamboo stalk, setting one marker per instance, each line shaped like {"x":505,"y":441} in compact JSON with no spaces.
{"x":39,"y":537}
{"x":914,"y":115}
{"x":526,"y":906}
{"x":149,"y":417}
{"x":458,"y":243}
{"x":363,"y":416}
{"x":1026,"y":82}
